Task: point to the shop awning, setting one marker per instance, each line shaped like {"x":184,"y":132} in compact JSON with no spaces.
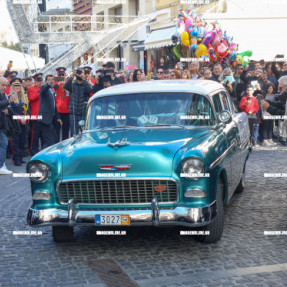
{"x":160,"y":38}
{"x":139,"y":46}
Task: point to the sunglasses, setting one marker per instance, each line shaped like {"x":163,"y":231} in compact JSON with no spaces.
{"x":160,"y":72}
{"x":172,"y":75}
{"x":280,"y":89}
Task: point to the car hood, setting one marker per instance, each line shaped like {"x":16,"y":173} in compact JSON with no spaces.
{"x":148,"y":152}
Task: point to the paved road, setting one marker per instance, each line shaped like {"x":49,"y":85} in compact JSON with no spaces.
{"x":155,"y":257}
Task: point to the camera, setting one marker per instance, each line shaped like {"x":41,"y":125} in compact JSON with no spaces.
{"x":281,"y":97}
{"x":103,"y":75}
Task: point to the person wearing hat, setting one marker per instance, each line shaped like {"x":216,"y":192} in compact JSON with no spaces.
{"x":62,"y":102}
{"x":34,"y":100}
{"x":108,"y":79}
{"x":20,"y":108}
{"x":49,"y":113}
{"x":79,"y":90}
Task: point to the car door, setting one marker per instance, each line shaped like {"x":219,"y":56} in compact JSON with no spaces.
{"x":233,"y":142}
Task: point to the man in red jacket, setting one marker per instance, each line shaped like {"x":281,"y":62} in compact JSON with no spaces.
{"x":34,"y":99}
{"x":249,"y":105}
{"x":62,"y":102}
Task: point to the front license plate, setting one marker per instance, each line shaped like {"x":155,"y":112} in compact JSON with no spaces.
{"x":110,"y":219}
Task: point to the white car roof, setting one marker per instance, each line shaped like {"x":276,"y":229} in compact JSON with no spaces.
{"x":204,"y":87}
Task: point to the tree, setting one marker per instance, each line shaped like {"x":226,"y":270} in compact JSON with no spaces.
{"x":12,"y":46}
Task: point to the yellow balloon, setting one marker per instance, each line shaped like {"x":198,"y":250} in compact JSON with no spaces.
{"x":185,"y":38}
{"x":200,"y":51}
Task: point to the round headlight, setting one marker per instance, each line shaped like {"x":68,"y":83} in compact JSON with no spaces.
{"x":192,"y":166}
{"x":38,"y":171}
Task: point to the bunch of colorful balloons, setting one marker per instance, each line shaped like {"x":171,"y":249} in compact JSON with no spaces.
{"x":206,"y":40}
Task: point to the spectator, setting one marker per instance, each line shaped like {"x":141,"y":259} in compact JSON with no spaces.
{"x":19,"y":107}
{"x":279,"y":108}
{"x":193,"y":68}
{"x":137,"y":76}
{"x":275,"y":68}
{"x":80,"y":91}
{"x":217,"y":70}
{"x":255,"y":77}
{"x":238,"y":85}
{"x":159,"y":74}
{"x":162,"y":63}
{"x":185,"y":75}
{"x":226,"y":79}
{"x":259,"y":116}
{"x":130,"y":77}
{"x":172,"y":75}
{"x":34,"y":100}
{"x":4,"y":102}
{"x":207,"y":74}
{"x":271,"y":77}
{"x":166,"y":75}
{"x":177,"y":74}
{"x":267,"y":124}
{"x":62,"y":102}
{"x":108,"y":80}
{"x":249,"y":105}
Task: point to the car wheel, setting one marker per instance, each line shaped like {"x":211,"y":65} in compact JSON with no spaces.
{"x":215,"y":228}
{"x":241,"y":184}
{"x":63,"y":233}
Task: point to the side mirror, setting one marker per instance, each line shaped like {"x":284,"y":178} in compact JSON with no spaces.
{"x":81,"y":125}
{"x":225,"y":117}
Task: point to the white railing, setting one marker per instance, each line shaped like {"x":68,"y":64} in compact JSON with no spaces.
{"x":78,"y":23}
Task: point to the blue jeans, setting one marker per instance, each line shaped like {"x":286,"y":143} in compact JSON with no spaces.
{"x":74,"y":124}
{"x":3,"y":146}
{"x":255,"y":134}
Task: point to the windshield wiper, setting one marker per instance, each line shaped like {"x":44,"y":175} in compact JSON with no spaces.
{"x":165,"y":125}
{"x":116,"y":127}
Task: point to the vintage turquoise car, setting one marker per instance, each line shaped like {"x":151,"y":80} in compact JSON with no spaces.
{"x":159,"y":153}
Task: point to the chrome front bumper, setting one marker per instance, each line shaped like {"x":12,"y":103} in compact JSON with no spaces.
{"x":181,"y":216}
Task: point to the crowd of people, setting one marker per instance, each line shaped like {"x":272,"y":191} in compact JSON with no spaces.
{"x":38,"y":112}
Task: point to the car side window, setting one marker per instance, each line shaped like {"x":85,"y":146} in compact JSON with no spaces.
{"x":224,"y":102}
{"x":217,"y":104}
{"x":230,"y":102}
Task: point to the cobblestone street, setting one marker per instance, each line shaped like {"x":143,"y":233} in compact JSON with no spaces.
{"x":156,"y":257}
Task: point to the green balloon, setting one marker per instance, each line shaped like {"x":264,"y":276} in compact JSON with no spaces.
{"x":247,"y":54}
{"x":177,"y":51}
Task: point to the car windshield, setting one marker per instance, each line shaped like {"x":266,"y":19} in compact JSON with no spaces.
{"x":140,"y":110}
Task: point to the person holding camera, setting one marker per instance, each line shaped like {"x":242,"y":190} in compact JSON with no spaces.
{"x":249,"y":105}
{"x":4,"y":103}
{"x":79,"y":90}
{"x":106,"y":77}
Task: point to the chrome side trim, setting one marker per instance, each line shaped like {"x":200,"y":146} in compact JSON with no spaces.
{"x":222,"y":156}
{"x":178,"y":216}
{"x":114,"y":178}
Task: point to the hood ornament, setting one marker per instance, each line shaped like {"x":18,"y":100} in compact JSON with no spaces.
{"x":119,"y":143}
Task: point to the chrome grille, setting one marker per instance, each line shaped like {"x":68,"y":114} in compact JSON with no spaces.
{"x":116,"y":191}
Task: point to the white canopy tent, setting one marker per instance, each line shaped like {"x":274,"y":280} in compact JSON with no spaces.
{"x":19,"y":60}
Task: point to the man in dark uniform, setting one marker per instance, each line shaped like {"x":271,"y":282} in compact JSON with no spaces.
{"x":62,"y":102}
{"x":48,"y":111}
{"x":34,"y":99}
